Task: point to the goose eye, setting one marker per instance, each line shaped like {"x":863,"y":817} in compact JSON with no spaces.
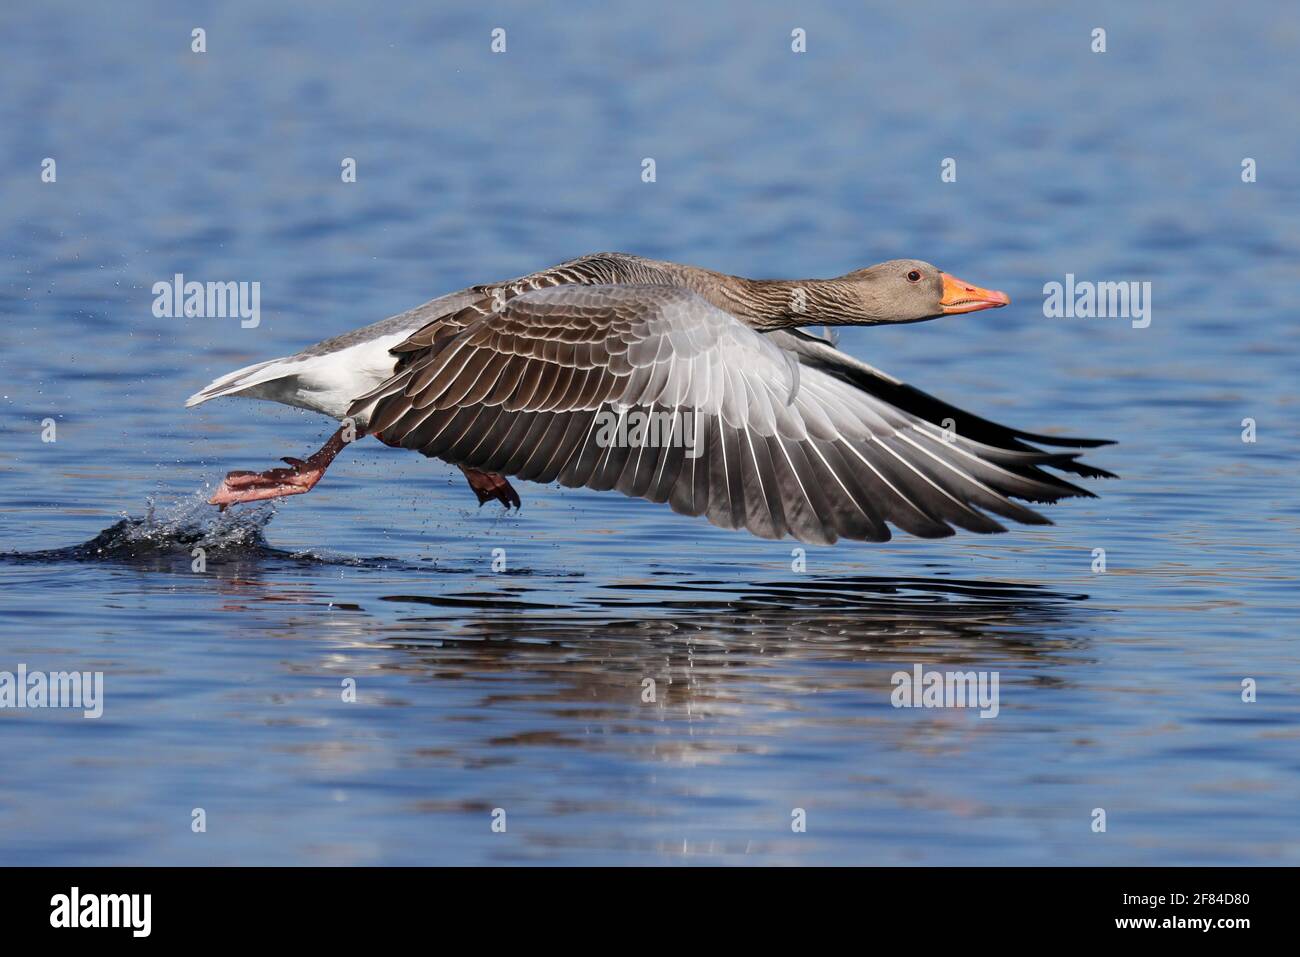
{"x":913,"y":276}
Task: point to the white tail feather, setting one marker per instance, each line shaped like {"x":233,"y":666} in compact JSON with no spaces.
{"x":239,"y":380}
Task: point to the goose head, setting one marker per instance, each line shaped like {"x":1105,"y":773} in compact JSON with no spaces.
{"x":911,"y":290}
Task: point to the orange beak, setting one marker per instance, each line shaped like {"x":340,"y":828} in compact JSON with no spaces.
{"x":960,"y":296}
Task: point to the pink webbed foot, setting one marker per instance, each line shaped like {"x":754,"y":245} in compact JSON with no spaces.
{"x":301,"y":476}
{"x":273,"y":483}
{"x":488,"y":486}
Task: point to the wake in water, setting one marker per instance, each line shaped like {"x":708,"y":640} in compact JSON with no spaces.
{"x":173,"y":533}
{"x":169,"y":539}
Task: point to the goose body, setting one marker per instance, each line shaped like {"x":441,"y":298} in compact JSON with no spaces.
{"x":788,"y":435}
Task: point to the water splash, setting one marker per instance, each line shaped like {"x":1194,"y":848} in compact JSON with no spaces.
{"x":174,"y":531}
{"x":183,"y":525}
{"x":167,"y":538}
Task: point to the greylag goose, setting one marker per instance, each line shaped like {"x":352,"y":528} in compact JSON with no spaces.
{"x":537,"y":378}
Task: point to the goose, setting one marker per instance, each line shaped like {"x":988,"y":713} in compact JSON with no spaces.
{"x":537,"y":378}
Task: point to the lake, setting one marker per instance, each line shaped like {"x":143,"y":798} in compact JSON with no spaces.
{"x":349,"y":679}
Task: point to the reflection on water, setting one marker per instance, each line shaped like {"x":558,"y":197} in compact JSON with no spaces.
{"x":490,"y":675}
{"x":713,"y":651}
{"x":852,"y":614}
{"x":653,"y":715}
{"x":847,"y":617}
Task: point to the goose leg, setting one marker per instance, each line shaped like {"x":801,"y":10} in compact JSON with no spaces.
{"x":301,"y":476}
{"x":489,"y":485}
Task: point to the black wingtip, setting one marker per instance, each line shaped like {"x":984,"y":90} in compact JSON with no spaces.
{"x":1063,"y":441}
{"x":1091,"y":471}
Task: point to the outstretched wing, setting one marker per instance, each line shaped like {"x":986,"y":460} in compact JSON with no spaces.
{"x":549,"y":388}
{"x":823,"y":355}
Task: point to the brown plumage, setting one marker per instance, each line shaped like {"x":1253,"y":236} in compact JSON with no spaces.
{"x":752,"y":422}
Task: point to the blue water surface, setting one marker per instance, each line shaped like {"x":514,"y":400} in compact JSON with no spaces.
{"x":524,"y":690}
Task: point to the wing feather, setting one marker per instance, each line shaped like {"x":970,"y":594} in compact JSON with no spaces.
{"x":549,"y":386}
